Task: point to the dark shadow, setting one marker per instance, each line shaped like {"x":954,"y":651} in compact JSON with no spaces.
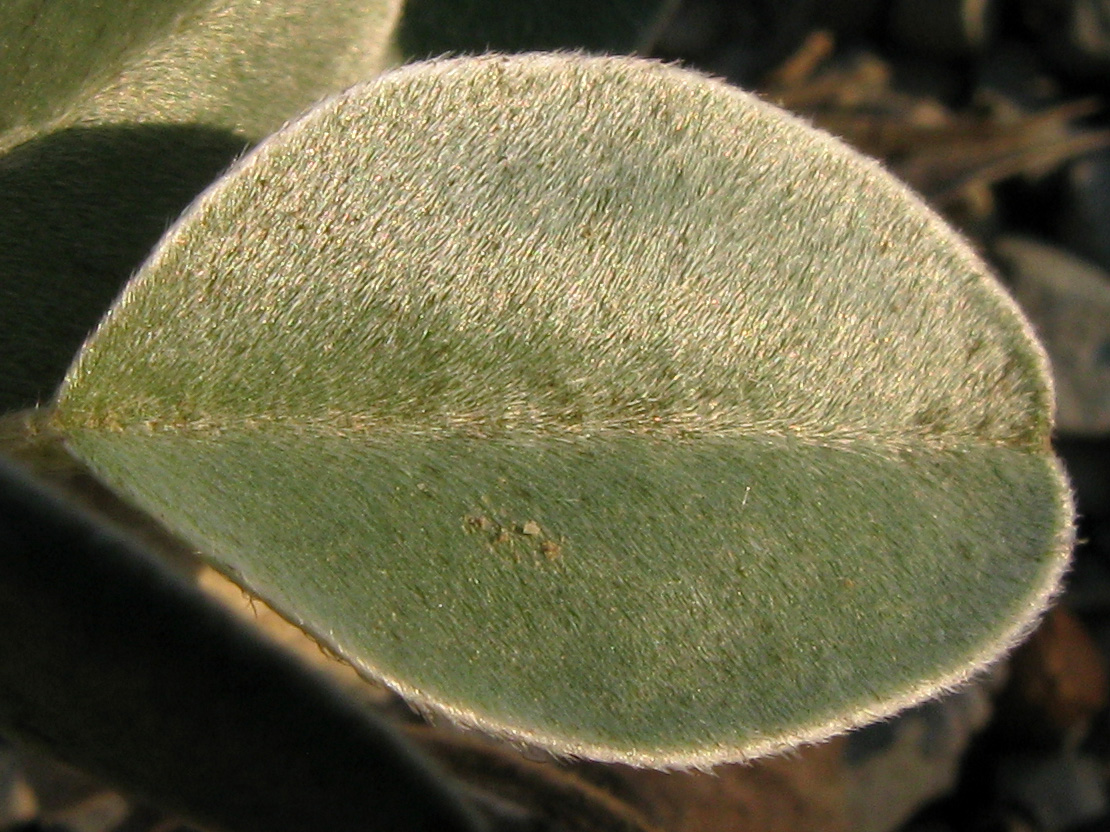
{"x":124,"y":670}
{"x":80,"y":210}
{"x":429,"y":28}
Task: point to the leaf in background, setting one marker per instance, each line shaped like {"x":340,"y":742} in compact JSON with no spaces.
{"x":234,"y":65}
{"x":429,"y":28}
{"x":52,"y":53}
{"x":114,"y":116}
{"x":592,"y":402}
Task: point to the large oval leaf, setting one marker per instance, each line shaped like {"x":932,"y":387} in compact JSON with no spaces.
{"x":593,"y":402}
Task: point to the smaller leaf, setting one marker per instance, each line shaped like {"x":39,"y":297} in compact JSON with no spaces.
{"x":52,"y":51}
{"x":113,"y":116}
{"x":79,"y":210}
{"x":231,"y":64}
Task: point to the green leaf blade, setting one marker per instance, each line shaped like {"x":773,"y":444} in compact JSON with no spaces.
{"x":646,"y":424}
{"x":223,"y":64}
{"x":670,"y":592}
{"x":50,"y":52}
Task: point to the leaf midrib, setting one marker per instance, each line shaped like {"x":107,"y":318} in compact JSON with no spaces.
{"x":361,"y":429}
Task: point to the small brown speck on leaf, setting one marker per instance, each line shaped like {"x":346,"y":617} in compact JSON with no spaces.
{"x":478,"y":523}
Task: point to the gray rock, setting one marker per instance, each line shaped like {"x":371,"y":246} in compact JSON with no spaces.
{"x":1068,"y":301}
{"x":1085,"y":222}
{"x":1073,"y":34}
{"x":1058,"y":792}
{"x":944,"y":28}
{"x":899,"y":765}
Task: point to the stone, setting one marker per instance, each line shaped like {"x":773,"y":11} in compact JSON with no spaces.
{"x":1085,"y":220}
{"x":1058,"y":792}
{"x":802,"y":791}
{"x":1073,"y":34}
{"x":1058,"y":683}
{"x":899,"y":765}
{"x":944,"y":28}
{"x":1068,"y":301}
{"x":872,"y":780}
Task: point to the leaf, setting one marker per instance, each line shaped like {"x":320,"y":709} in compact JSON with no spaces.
{"x":53,"y":52}
{"x":116,"y":115}
{"x":428,"y":28}
{"x":592,"y":402}
{"x":229,"y":64}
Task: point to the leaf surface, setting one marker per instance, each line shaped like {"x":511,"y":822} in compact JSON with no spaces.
{"x":593,"y":402}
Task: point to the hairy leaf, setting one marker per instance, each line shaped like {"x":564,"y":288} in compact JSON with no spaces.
{"x":593,"y":402}
{"x":230,"y":64}
{"x":113,"y":116}
{"x":52,"y":52}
